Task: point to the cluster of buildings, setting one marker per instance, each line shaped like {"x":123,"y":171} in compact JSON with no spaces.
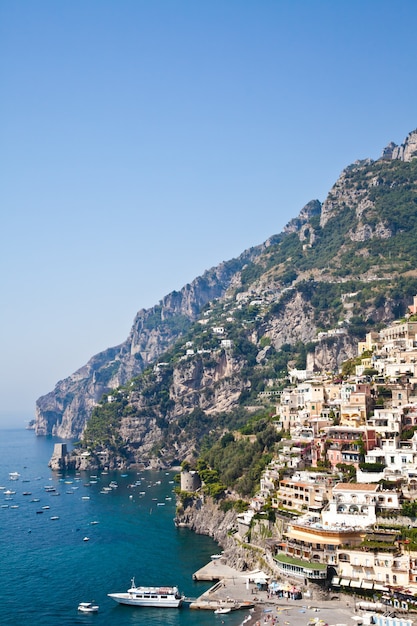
{"x":350,"y":461}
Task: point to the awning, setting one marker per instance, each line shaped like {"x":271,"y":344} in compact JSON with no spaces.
{"x":355,"y":583}
{"x":255,"y":575}
{"x":345,"y":582}
{"x":335,"y":580}
{"x":366,"y":584}
{"x":314,"y":535}
{"x":379,"y":587}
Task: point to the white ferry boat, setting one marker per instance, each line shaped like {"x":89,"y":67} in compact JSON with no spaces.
{"x":167,"y":597}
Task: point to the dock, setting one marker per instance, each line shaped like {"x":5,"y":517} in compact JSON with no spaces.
{"x":231,"y":590}
{"x":216,"y":570}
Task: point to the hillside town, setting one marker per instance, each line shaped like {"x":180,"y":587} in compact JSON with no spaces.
{"x":343,"y":481}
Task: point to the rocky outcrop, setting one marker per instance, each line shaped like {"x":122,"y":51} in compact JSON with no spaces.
{"x":302,"y":327}
{"x":346,"y":195}
{"x":210,"y":387}
{"x":204,"y":516}
{"x":405,"y":152}
{"x":311,"y":209}
{"x":330,"y":352}
{"x":62,"y":412}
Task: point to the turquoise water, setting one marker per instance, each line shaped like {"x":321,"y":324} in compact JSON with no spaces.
{"x":46,"y":567}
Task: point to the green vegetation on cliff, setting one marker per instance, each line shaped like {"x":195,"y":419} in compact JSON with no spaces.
{"x":239,"y":460}
{"x":351,"y":272}
{"x":102,"y":431}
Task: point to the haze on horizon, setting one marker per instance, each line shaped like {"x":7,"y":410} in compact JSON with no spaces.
{"x":144,"y":143}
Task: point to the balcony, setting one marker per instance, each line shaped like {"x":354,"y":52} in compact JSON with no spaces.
{"x":397,"y":566}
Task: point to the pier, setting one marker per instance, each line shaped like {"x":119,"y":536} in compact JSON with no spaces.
{"x":231,"y":591}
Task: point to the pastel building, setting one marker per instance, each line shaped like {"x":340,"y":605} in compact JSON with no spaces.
{"x":352,"y":505}
{"x":373,"y":569}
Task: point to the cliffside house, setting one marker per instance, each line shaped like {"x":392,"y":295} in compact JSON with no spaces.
{"x":299,"y":495}
{"x":352,"y":504}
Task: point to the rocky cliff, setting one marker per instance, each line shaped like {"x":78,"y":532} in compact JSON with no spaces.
{"x":302,"y":299}
{"x":405,"y":152}
{"x":65,"y":410}
{"x":204,"y":516}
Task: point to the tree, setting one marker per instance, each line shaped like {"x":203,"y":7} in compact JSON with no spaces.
{"x":409,"y":509}
{"x":348,"y":471}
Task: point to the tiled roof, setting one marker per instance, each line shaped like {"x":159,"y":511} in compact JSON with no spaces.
{"x":355,"y":487}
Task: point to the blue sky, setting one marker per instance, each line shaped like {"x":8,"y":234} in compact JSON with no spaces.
{"x":143,"y":142}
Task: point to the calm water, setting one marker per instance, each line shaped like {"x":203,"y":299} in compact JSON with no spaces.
{"x":46,"y":567}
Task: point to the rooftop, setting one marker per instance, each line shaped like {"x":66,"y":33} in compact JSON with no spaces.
{"x":355,"y":487}
{"x":284,"y":558}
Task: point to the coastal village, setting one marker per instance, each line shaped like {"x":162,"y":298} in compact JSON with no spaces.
{"x":343,"y":483}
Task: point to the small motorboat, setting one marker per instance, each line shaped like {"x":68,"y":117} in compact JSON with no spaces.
{"x":88,"y":607}
{"x":222,"y":610}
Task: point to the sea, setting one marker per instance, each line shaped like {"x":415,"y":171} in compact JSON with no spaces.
{"x":70,"y":538}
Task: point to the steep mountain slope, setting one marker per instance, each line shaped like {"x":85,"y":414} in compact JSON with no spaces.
{"x":301,"y":299}
{"x":65,"y":410}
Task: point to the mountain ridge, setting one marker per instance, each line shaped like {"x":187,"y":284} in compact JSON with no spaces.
{"x":324,"y":244}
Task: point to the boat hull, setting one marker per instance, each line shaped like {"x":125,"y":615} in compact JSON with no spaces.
{"x":126,"y":598}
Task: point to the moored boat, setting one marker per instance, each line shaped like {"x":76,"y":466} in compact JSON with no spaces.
{"x":163,"y":597}
{"x":88,"y":607}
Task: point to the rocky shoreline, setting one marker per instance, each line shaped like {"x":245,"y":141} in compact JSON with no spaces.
{"x":204,"y":516}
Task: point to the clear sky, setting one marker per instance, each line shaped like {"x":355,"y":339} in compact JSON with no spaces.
{"x":143,"y":142}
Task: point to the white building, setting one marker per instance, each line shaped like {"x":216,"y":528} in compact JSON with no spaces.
{"x":351,"y":505}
